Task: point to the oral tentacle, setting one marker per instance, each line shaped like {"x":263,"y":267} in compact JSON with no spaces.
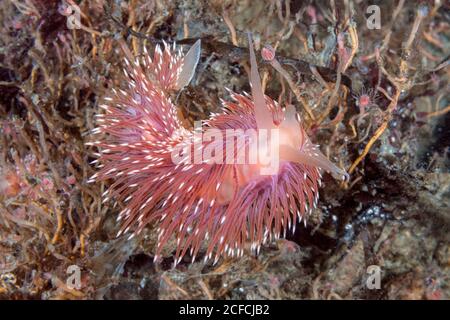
{"x":311,"y":155}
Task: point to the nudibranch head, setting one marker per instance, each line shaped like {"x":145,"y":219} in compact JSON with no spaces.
{"x":295,"y":146}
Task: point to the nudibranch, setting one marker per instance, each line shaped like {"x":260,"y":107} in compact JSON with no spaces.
{"x":208,"y":205}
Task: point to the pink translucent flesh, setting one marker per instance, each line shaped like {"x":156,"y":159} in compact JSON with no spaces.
{"x":235,"y":180}
{"x":264,"y":118}
{"x":290,"y":131}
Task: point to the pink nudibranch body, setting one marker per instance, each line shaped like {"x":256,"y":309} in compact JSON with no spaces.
{"x":228,"y":205}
